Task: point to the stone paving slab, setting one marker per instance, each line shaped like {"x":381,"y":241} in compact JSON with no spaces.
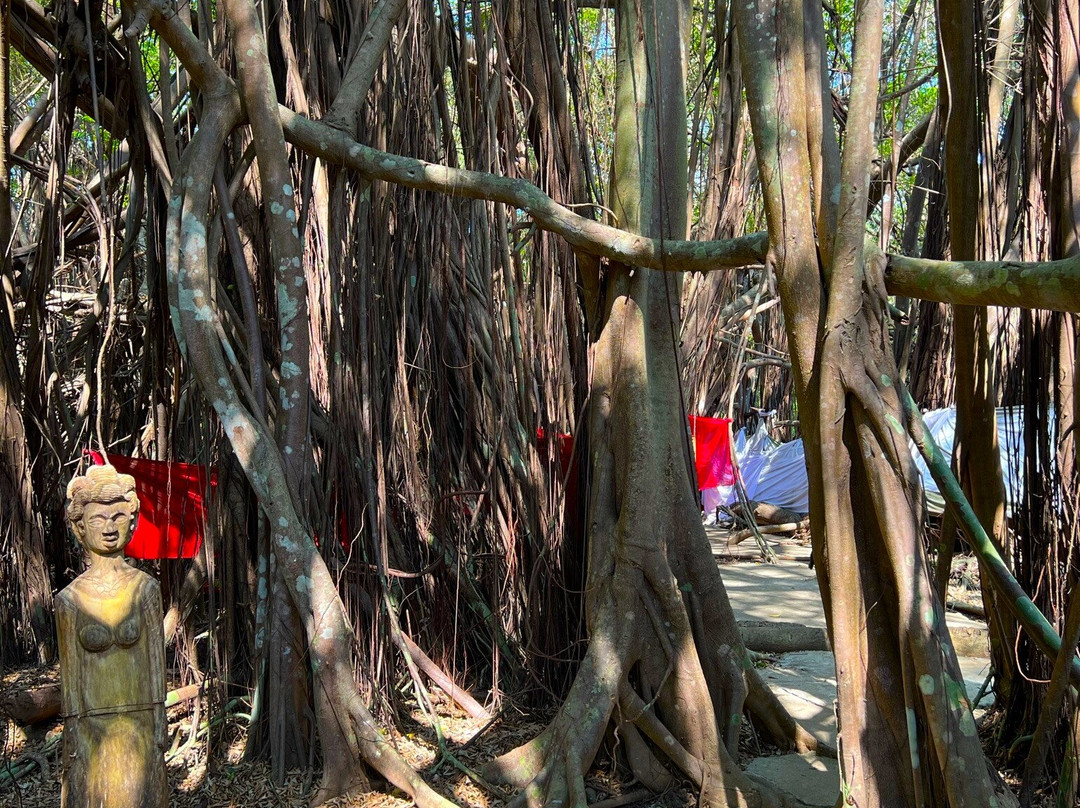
{"x":778,"y":607}
{"x":814,"y":780}
{"x":805,"y":683}
{"x":785,"y":592}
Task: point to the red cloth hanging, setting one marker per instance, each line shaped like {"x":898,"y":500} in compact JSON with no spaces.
{"x":565,"y":448}
{"x":712,"y":451}
{"x":172,"y":505}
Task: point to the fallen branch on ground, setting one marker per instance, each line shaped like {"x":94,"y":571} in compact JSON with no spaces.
{"x":43,"y":702}
{"x":766,"y":530}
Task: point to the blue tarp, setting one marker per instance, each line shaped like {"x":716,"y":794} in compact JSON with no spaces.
{"x":776,"y":472}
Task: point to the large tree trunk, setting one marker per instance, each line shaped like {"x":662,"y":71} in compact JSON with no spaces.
{"x":283,"y":689}
{"x":976,"y":454}
{"x":665,"y":661}
{"x":898,"y":681}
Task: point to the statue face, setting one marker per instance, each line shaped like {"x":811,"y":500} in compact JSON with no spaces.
{"x":105,"y":528}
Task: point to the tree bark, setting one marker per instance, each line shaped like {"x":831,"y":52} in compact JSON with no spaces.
{"x":969,"y":152}
{"x":898,"y":680}
{"x":285,"y":701}
{"x":664,"y":659}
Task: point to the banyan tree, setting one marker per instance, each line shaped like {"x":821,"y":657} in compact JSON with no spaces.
{"x":432,"y":286}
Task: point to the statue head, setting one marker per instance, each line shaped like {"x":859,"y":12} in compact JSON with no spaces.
{"x":101,"y":509}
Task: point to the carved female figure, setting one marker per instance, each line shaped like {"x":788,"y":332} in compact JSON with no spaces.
{"x":112,"y":657}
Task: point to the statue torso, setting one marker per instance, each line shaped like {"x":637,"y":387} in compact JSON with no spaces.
{"x":109,"y":623}
{"x":109,"y":693}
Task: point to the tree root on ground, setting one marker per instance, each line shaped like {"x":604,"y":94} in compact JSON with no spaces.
{"x":372,"y":747}
{"x":778,"y":723}
{"x":550,"y":769}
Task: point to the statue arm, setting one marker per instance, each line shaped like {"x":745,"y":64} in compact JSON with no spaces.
{"x":155,"y":637}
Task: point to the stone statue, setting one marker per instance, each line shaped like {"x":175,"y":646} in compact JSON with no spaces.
{"x":112,"y":657}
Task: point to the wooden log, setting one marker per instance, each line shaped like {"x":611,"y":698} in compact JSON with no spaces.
{"x":32,"y":705}
{"x":29,"y":706}
{"x":970,"y":609}
{"x":767,"y":530}
{"x":773,"y":514}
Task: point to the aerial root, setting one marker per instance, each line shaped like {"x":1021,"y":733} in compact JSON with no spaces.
{"x":550,"y":769}
{"x":646,"y":720}
{"x":730,"y":685}
{"x":378,"y":753}
{"x":644,"y":765}
{"x":716,"y":786}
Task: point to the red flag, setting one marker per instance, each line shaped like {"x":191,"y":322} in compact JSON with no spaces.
{"x":172,"y":505}
{"x":712,"y":451}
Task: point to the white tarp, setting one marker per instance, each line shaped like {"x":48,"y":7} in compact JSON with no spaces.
{"x":1010,"y":427}
{"x":776,"y":472}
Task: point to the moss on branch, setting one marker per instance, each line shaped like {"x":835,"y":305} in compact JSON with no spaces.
{"x":1037,"y":285}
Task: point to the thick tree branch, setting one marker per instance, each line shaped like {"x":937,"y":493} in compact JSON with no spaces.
{"x":585,"y":234}
{"x":1051,"y":285}
{"x":366,"y":58}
